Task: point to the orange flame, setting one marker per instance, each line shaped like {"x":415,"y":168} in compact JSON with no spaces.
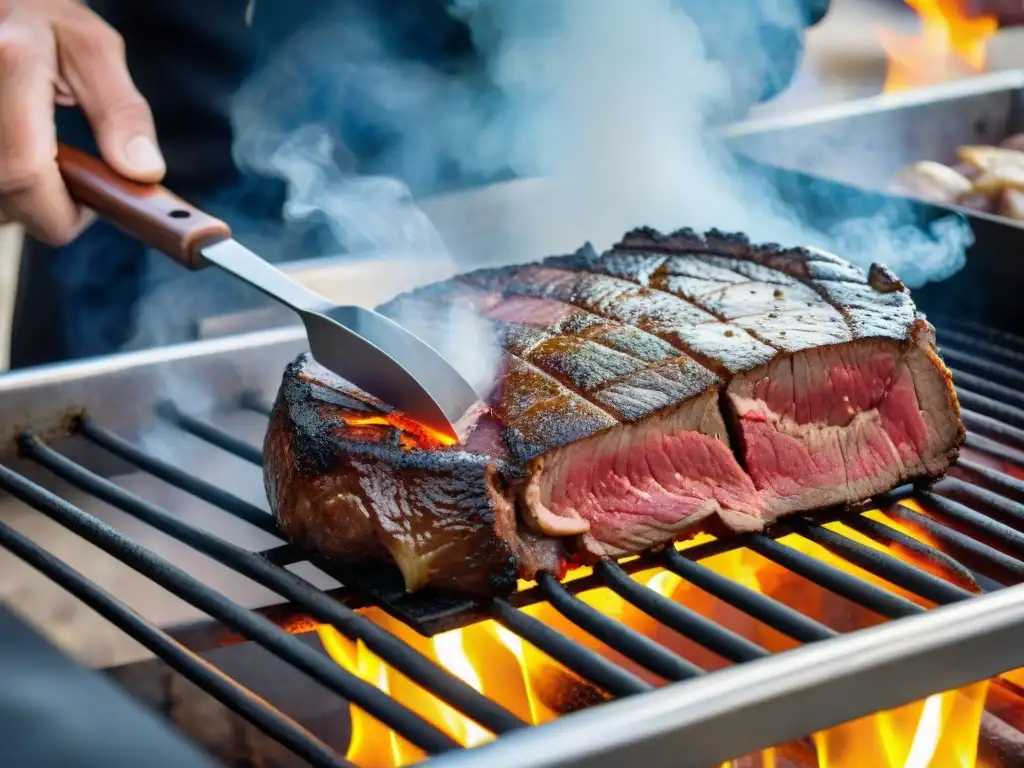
{"x":414,"y":433}
{"x":949,"y":44}
{"x":940,"y":732}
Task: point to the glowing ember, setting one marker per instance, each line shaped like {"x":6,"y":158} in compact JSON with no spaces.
{"x":949,"y":44}
{"x":414,"y":434}
{"x":941,"y":731}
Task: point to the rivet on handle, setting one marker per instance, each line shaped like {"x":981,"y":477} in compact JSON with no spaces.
{"x":149,"y":212}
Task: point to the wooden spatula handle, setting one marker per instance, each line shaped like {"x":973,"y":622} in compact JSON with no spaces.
{"x":150,"y":212}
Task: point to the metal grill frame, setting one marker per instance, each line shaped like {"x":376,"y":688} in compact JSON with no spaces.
{"x":764,"y":699}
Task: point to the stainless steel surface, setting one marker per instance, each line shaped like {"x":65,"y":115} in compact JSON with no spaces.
{"x":360,"y":345}
{"x":121,"y":391}
{"x":866,"y":142}
{"x":759,"y":704}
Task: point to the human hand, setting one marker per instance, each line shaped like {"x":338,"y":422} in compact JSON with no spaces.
{"x":58,"y":52}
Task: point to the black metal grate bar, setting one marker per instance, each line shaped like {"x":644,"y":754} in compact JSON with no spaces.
{"x":767,"y":610}
{"x":881,"y":564}
{"x":679,"y":618}
{"x":1007,"y":537}
{"x":992,"y":502}
{"x":210,"y":433}
{"x":988,"y":406}
{"x":573,"y":656}
{"x":994,"y":449}
{"x":887,"y":535}
{"x":972,"y":342}
{"x":1005,"y":485}
{"x":994,"y":428}
{"x":238,"y":699}
{"x":627,"y":641}
{"x":994,"y":335}
{"x":856,"y":590}
{"x":318,"y":666}
{"x":169,"y":473}
{"x":1002,"y":374}
{"x":978,"y":555}
{"x":284,"y":554}
{"x":985,"y":386}
{"x":286,"y":584}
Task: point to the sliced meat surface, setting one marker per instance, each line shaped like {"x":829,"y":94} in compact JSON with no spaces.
{"x":673,"y":384}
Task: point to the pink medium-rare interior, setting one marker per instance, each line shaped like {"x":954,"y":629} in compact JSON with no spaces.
{"x":643,"y":484}
{"x":827,"y":426}
{"x":838,"y":424}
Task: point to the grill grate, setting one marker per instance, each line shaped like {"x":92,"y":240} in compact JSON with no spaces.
{"x":976,"y":514}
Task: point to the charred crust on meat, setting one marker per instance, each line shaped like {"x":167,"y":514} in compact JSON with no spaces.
{"x":352,"y":486}
{"x":505,"y":579}
{"x":583,"y":257}
{"x":315,"y":451}
{"x":884,"y":280}
{"x":317,"y":440}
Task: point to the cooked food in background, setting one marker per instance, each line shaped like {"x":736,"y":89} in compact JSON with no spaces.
{"x":934,"y":182}
{"x":984,"y":178}
{"x":674,"y":384}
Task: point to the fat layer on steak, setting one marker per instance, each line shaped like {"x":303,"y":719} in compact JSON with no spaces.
{"x":673,"y":384}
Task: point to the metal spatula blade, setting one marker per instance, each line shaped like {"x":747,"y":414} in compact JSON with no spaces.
{"x":363,"y":347}
{"x":360,"y":345}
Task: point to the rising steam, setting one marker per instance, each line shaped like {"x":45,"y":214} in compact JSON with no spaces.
{"x":609,"y":100}
{"x":363,"y":213}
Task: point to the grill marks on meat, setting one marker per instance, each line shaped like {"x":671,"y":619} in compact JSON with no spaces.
{"x":689,"y":328}
{"x":675,"y":383}
{"x":859,"y":403}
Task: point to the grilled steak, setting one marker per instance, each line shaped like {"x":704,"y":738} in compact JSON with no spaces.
{"x":674,"y":384}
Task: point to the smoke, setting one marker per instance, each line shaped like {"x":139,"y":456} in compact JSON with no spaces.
{"x":363,"y":213}
{"x":616,"y":99}
{"x":918,"y":256}
{"x":610,"y":101}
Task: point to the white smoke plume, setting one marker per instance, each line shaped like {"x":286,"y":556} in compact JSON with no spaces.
{"x":363,"y":213}
{"x":609,"y":100}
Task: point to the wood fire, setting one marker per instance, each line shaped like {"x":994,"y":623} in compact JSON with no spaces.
{"x":941,"y":731}
{"x":950,"y":43}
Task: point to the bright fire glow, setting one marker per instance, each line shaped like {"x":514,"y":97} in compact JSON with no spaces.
{"x":949,"y":44}
{"x":414,"y":434}
{"x":940,"y":732}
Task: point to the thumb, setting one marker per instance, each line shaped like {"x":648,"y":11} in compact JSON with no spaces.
{"x":132,"y":151}
{"x":93,"y":64}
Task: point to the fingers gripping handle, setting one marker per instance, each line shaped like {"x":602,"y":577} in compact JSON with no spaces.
{"x":150,"y":212}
